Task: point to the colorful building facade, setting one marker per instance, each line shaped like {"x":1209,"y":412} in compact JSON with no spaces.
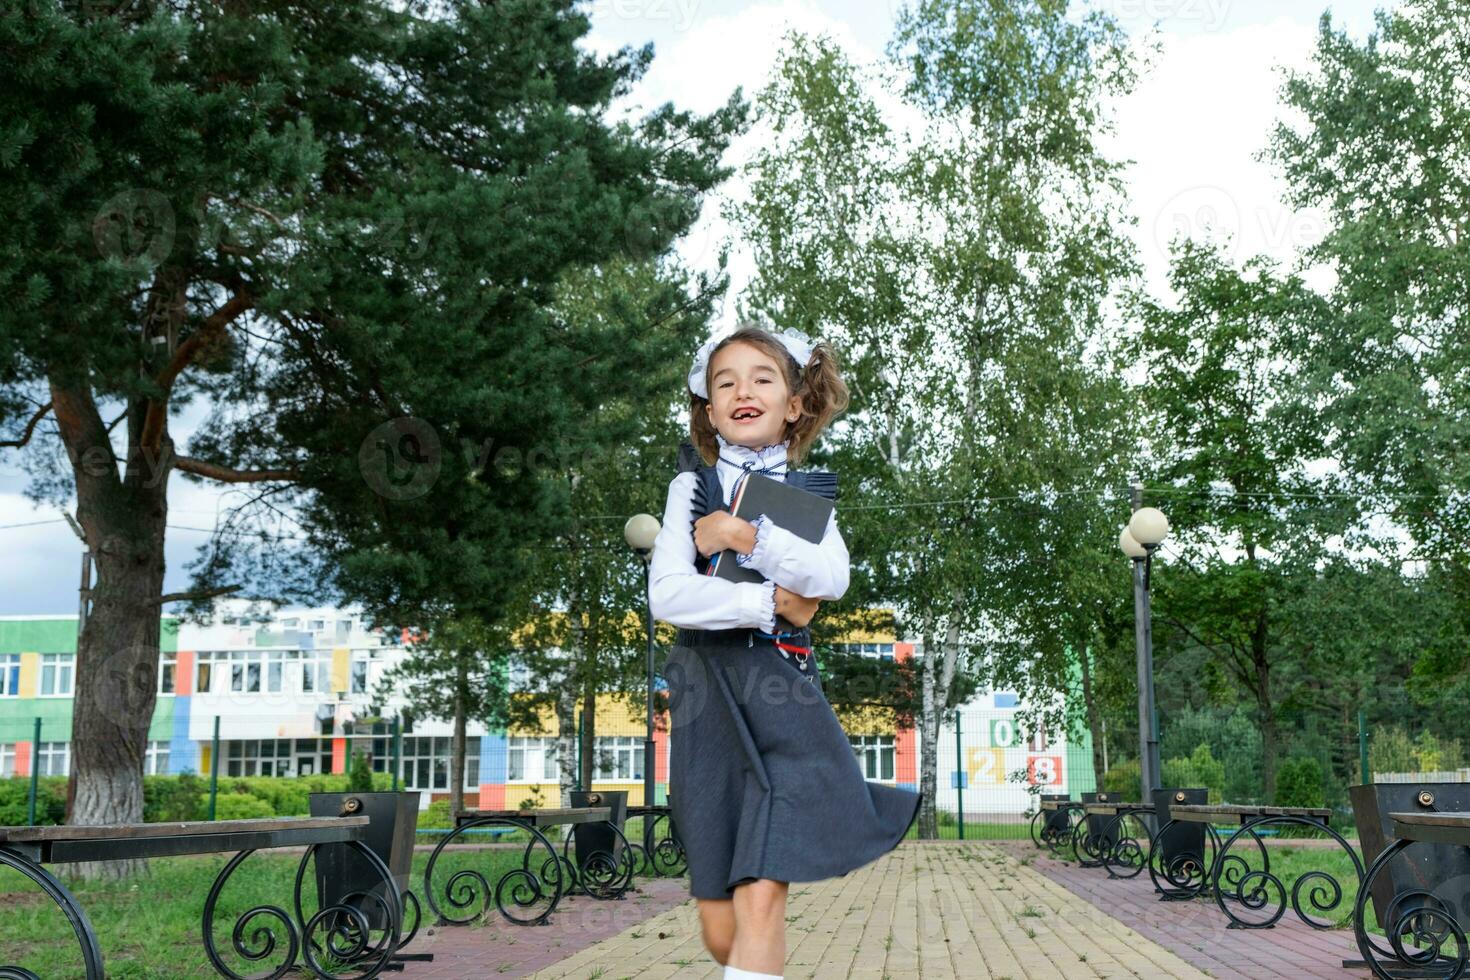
{"x":289,"y":691}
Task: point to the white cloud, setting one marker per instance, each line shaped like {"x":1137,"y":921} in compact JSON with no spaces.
{"x":1194,"y":129}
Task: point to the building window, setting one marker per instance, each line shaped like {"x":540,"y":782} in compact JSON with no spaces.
{"x":277,"y":757}
{"x":56,"y":674}
{"x":204,"y":671}
{"x":316,"y":674}
{"x":254,"y":672}
{"x":531,"y":759}
{"x":9,"y":675}
{"x":168,"y":667}
{"x":54,"y":759}
{"x":619,"y":757}
{"x":359,"y":675}
{"x":880,"y":651}
{"x":874,"y":755}
{"x":156,"y":762}
{"x":426,"y":762}
{"x":7,"y":759}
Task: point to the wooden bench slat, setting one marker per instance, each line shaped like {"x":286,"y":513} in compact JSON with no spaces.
{"x":546,"y":817}
{"x":193,"y":828}
{"x":1452,"y":820}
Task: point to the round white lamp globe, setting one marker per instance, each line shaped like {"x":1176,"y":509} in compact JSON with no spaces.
{"x":1131,"y":547}
{"x":1148,"y":526}
{"x":640,"y":531}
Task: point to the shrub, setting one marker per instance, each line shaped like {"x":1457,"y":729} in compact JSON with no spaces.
{"x":437,"y":816}
{"x":1125,"y":779}
{"x":360,"y":779}
{"x":239,"y":806}
{"x":173,"y":798}
{"x":15,"y":797}
{"x":1201,"y":768}
{"x":1299,"y":782}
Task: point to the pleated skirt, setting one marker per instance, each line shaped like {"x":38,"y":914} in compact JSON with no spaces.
{"x":763,"y":782}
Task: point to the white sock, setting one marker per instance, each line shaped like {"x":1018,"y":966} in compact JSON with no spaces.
{"x":735,"y":973}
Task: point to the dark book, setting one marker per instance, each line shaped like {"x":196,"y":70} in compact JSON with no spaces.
{"x":801,"y":512}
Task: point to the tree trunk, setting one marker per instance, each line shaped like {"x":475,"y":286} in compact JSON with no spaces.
{"x":117,"y":652}
{"x":928,"y":746}
{"x":566,"y":742}
{"x":456,"y":745}
{"x":1269,"y":730}
{"x":589,"y":733}
{"x":1260,"y":657}
{"x":1094,"y":719}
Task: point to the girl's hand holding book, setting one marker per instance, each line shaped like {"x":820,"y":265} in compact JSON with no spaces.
{"x":718,"y":530}
{"x":797,"y":610}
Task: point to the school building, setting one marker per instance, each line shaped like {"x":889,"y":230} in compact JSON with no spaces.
{"x":289,"y":691}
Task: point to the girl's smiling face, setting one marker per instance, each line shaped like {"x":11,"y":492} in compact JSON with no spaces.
{"x":750,"y":401}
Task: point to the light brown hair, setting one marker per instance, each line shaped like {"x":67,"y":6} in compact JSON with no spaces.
{"x":817,"y":383}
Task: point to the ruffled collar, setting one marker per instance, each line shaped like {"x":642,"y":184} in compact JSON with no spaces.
{"x":770,"y":460}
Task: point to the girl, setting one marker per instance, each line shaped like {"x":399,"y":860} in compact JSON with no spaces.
{"x":763,"y":784}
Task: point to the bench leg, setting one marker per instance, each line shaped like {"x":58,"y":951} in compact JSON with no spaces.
{"x":1437,"y":945}
{"x":1252,"y":889}
{"x":466,"y":894}
{"x":346,"y":949}
{"x":81,"y":926}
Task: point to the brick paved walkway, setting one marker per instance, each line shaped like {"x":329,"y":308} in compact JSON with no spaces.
{"x":1196,"y":930}
{"x":500,"y":949}
{"x":925,"y":910}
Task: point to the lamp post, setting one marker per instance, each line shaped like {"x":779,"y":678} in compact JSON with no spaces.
{"x":1146,"y":530}
{"x":640,"y":533}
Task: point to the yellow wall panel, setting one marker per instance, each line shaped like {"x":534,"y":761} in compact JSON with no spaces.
{"x":30,"y":674}
{"x":341,"y":668}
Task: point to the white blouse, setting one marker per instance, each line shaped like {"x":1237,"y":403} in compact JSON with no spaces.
{"x":678,"y":594}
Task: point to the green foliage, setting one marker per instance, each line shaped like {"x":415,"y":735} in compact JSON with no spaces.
{"x":436,"y":816}
{"x":1200,"y":768}
{"x":960,"y":245}
{"x":174,"y":798}
{"x":1391,"y":749}
{"x":305,"y":223}
{"x":1233,"y":738}
{"x":239,"y":806}
{"x":1299,"y":782}
{"x":360,"y":776}
{"x":15,"y":796}
{"x":1125,"y":779}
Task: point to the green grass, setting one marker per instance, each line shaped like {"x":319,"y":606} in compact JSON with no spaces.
{"x":150,"y":928}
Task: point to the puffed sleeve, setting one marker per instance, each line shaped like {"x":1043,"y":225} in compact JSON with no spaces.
{"x":817,"y":570}
{"x":678,"y":594}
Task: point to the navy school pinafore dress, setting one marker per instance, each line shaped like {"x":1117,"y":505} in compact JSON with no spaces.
{"x":763,"y":782}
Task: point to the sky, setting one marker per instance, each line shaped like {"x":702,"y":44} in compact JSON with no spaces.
{"x":1193,"y":128}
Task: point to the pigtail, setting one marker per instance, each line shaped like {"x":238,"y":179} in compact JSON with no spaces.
{"x":702,"y":430}
{"x":824,"y":396}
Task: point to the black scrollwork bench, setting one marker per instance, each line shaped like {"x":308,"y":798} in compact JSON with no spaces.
{"x":1052,"y":820}
{"x":663,"y":856}
{"x":1056,"y":829}
{"x":338,"y":942}
{"x":1119,"y":840}
{"x":1259,"y":898}
{"x":528,"y":894}
{"x":1426,"y":927}
{"x":1093,"y":834}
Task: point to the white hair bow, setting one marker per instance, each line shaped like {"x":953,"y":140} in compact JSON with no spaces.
{"x":797,"y":345}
